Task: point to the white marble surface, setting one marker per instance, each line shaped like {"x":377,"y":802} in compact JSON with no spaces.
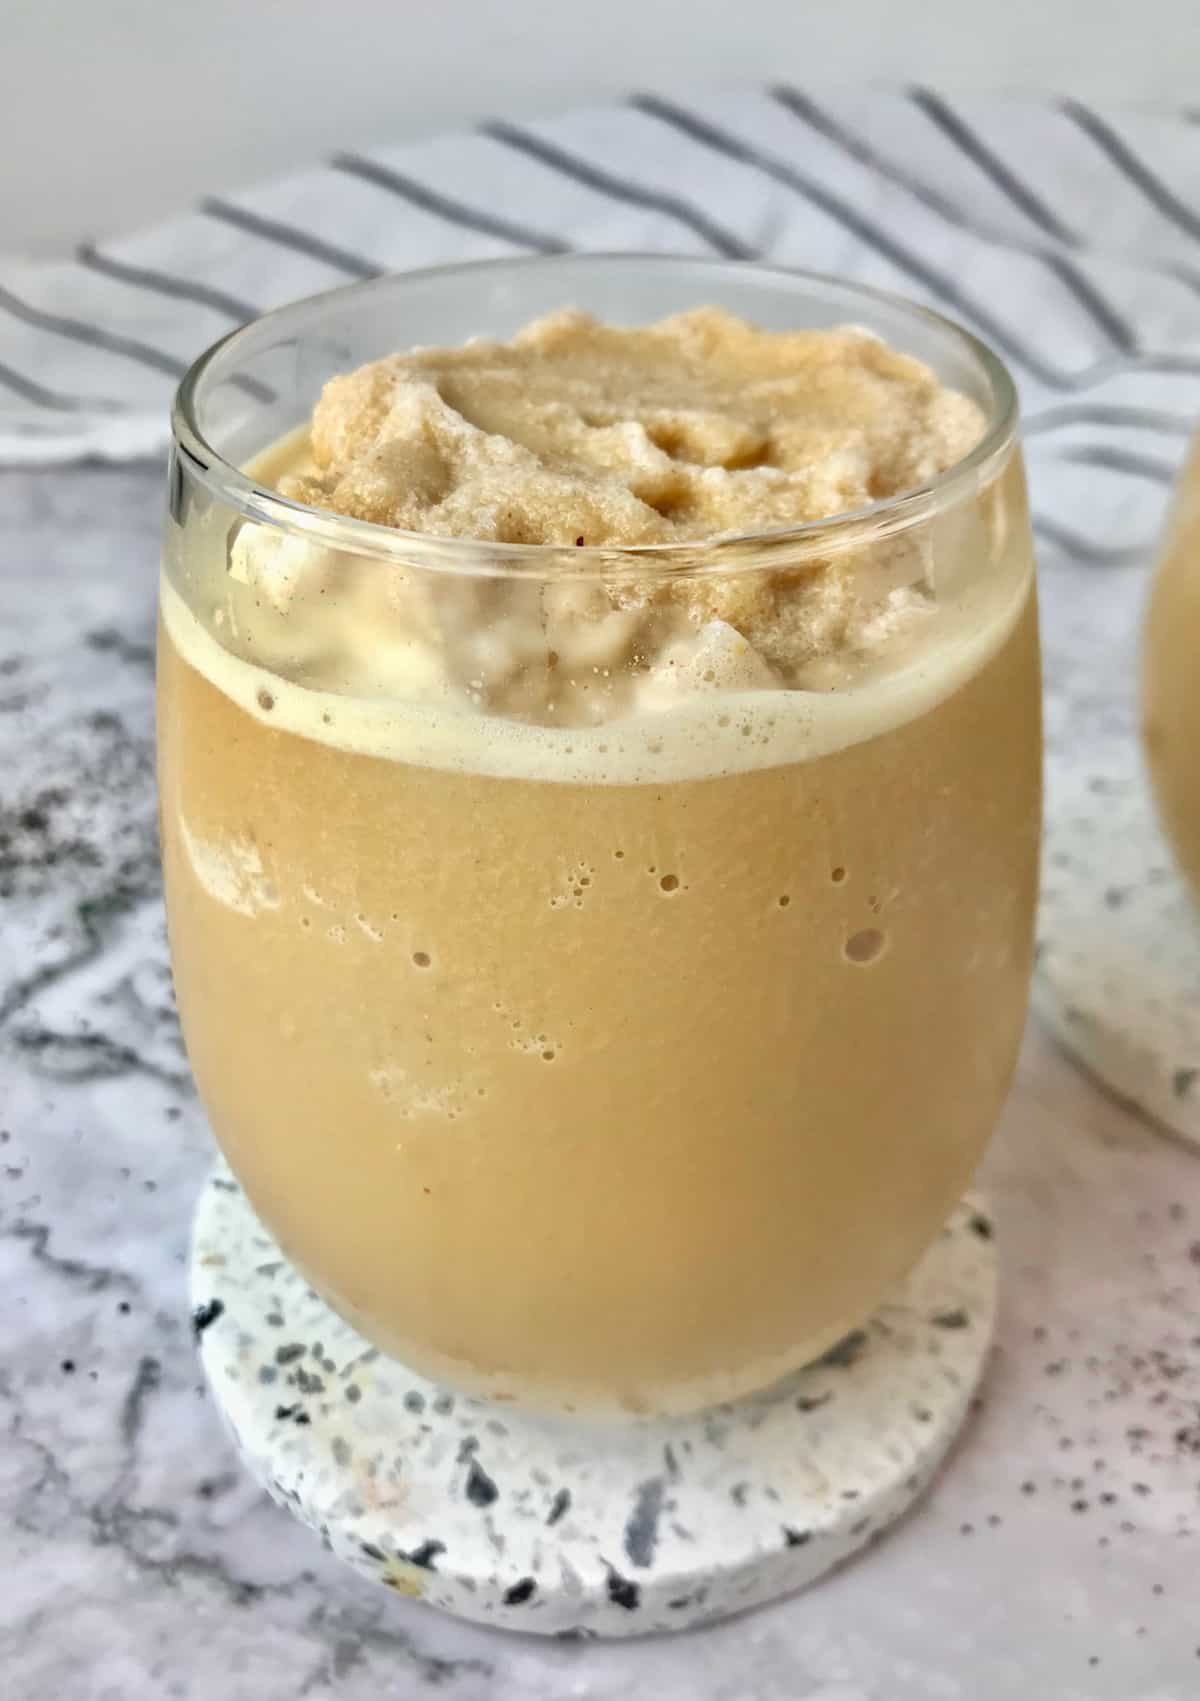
{"x":1056,"y":1556}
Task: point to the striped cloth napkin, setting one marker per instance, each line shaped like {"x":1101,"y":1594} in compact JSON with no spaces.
{"x":1068,"y":237}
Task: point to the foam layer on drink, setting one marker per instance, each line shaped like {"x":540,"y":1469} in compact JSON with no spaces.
{"x":712,"y":730}
{"x":681,"y":433}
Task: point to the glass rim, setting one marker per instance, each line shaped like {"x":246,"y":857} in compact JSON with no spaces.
{"x":789,"y":545}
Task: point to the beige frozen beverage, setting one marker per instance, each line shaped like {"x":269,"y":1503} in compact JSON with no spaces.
{"x":1170,"y":678}
{"x":603,"y":958}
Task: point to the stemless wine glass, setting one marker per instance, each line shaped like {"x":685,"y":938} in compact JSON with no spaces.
{"x":1170,"y":679}
{"x":609,"y":1044}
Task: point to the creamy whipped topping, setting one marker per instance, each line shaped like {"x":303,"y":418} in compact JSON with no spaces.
{"x":578,"y":433}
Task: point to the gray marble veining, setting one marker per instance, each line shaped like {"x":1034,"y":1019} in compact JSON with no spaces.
{"x":1055,"y":1557}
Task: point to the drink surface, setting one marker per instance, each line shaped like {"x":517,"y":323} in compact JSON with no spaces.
{"x":606,"y":1033}
{"x":669,"y":436}
{"x":1170,"y":685}
{"x":698,"y":425}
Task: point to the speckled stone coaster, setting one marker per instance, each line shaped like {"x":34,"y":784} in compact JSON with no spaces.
{"x":1118,"y":976}
{"x":560,"y":1528}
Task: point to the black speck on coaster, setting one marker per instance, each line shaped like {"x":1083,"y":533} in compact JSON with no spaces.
{"x":290,"y":1353}
{"x":956,"y":1318}
{"x":641,"y":1527}
{"x":521,"y":1591}
{"x":981,"y":1225}
{"x":559,"y":1506}
{"x":847,"y":1351}
{"x":425,"y":1556}
{"x":414,"y":1401}
{"x":206,"y":1314}
{"x":796,"y":1538}
{"x":812,"y":1402}
{"x":480,"y":1489}
{"x":622,"y":1591}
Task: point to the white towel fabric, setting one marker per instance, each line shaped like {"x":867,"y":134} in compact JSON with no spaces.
{"x":1068,"y":238}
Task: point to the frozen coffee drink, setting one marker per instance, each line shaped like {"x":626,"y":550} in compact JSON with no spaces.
{"x":599,"y":761}
{"x":1170,"y":677}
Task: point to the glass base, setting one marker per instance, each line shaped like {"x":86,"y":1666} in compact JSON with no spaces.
{"x":1118,"y":975}
{"x":557,"y":1527}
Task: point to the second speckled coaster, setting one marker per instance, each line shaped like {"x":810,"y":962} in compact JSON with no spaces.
{"x":1118,"y":976}
{"x":560,"y":1528}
